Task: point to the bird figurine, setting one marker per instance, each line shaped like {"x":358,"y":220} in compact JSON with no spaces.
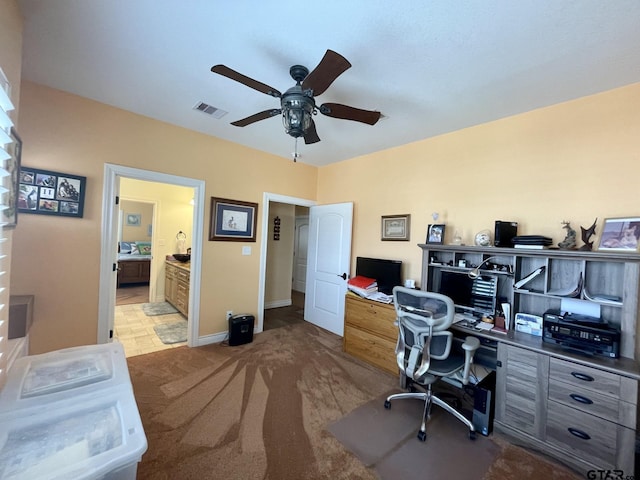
{"x":587,"y":233}
{"x":569,"y":242}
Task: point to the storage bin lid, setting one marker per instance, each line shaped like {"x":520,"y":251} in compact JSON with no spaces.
{"x":87,"y":438}
{"x":64,"y":374}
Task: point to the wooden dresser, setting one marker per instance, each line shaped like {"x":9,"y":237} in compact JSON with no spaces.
{"x":369,"y":332}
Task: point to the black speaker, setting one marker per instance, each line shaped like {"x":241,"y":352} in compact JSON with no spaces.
{"x":241,"y":329}
{"x":484,"y":404}
{"x":505,"y":231}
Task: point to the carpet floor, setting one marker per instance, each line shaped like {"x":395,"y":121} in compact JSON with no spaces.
{"x":265,"y":410}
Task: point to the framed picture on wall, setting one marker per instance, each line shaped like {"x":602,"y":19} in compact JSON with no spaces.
{"x":45,"y":192}
{"x":133,"y":219}
{"x":395,"y":227}
{"x":233,"y":220}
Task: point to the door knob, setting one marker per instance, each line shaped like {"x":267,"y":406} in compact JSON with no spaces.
{"x":344,"y":276}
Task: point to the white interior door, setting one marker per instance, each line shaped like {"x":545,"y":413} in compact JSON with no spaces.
{"x":300,"y":251}
{"x":328,"y":260}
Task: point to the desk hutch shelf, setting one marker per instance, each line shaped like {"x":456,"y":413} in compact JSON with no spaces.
{"x":580,"y":409}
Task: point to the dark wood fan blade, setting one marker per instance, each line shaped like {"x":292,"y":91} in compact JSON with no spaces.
{"x":345,"y":112}
{"x":311,"y":136}
{"x":330,"y":67}
{"x":249,"y":82}
{"x":256,"y":117}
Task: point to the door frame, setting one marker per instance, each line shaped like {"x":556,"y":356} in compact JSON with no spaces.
{"x":299,"y":220}
{"x":107,"y":297}
{"x":266,"y":198}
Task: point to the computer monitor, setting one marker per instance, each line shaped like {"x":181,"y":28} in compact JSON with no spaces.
{"x":476,"y":295}
{"x":387,"y":273}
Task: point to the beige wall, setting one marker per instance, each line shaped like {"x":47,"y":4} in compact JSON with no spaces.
{"x":277,"y":290}
{"x":56,"y":259}
{"x":573,"y":161}
{"x":174,"y":214}
{"x":11,"y":64}
{"x":136,"y":233}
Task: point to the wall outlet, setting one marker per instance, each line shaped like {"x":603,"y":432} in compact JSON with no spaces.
{"x":229,"y":314}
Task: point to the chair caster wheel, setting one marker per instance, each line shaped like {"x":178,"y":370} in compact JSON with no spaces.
{"x":472,"y":435}
{"x":387,"y":404}
{"x":422,"y":436}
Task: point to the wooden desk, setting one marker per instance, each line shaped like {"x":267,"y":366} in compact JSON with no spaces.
{"x":536,"y":389}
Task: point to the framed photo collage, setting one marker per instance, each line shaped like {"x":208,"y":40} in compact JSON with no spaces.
{"x":50,"y":193}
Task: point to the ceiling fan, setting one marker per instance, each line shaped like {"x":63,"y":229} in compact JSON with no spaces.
{"x":297,"y":104}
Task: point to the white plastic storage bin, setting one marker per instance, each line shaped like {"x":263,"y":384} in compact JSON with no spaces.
{"x":94,"y":436}
{"x":64,"y":374}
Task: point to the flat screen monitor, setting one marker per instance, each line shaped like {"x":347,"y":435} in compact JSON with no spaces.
{"x":475,"y":295}
{"x":388,"y":273}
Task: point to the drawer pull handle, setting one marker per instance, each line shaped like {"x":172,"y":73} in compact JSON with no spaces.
{"x":582,"y":376}
{"x":579,"y":433}
{"x":581,"y":399}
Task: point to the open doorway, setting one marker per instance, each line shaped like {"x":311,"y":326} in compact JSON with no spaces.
{"x":135,"y":227}
{"x":286,"y":267}
{"x":146,"y":318}
{"x":167,"y":221}
{"x":271,"y":250}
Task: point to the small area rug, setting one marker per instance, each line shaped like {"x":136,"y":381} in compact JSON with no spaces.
{"x":158,"y":308}
{"x":386,"y":440}
{"x":174,"y":332}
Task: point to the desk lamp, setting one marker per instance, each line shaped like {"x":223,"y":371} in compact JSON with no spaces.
{"x":475,"y":273}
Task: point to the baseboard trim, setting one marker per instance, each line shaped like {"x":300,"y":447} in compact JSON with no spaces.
{"x":277,"y":304}
{"x":210,"y":339}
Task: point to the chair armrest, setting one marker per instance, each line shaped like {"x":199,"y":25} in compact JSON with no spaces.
{"x":470,"y":345}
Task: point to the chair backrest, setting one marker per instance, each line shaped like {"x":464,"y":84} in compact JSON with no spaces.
{"x":423,"y":320}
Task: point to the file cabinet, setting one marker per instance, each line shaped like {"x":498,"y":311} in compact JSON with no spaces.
{"x":370,"y":333}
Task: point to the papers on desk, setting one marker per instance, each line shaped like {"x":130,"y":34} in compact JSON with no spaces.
{"x":380,"y":297}
{"x":375,"y":296}
{"x":483,"y":326}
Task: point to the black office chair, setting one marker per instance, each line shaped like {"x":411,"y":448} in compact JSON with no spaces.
{"x":424,"y":352}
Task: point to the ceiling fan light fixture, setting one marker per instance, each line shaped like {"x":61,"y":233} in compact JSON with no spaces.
{"x":297,"y":111}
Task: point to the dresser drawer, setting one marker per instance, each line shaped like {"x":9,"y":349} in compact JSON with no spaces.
{"x":585,"y":377}
{"x":373,"y":349}
{"x":182,"y":275}
{"x":589,"y":438}
{"x":586,"y":400}
{"x":375,"y":318}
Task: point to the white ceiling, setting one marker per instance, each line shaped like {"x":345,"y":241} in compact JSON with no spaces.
{"x":430,"y":67}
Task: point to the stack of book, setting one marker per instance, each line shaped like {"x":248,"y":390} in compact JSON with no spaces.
{"x":531,"y":241}
{"x":363,"y":286}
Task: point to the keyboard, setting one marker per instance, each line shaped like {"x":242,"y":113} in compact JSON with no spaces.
{"x":459,"y":317}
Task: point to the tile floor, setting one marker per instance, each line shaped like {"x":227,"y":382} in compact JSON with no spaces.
{"x":135,"y":330}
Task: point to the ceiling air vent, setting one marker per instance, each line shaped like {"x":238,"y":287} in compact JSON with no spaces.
{"x":209,"y":110}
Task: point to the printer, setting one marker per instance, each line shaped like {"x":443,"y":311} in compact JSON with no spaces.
{"x":582,"y":333}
